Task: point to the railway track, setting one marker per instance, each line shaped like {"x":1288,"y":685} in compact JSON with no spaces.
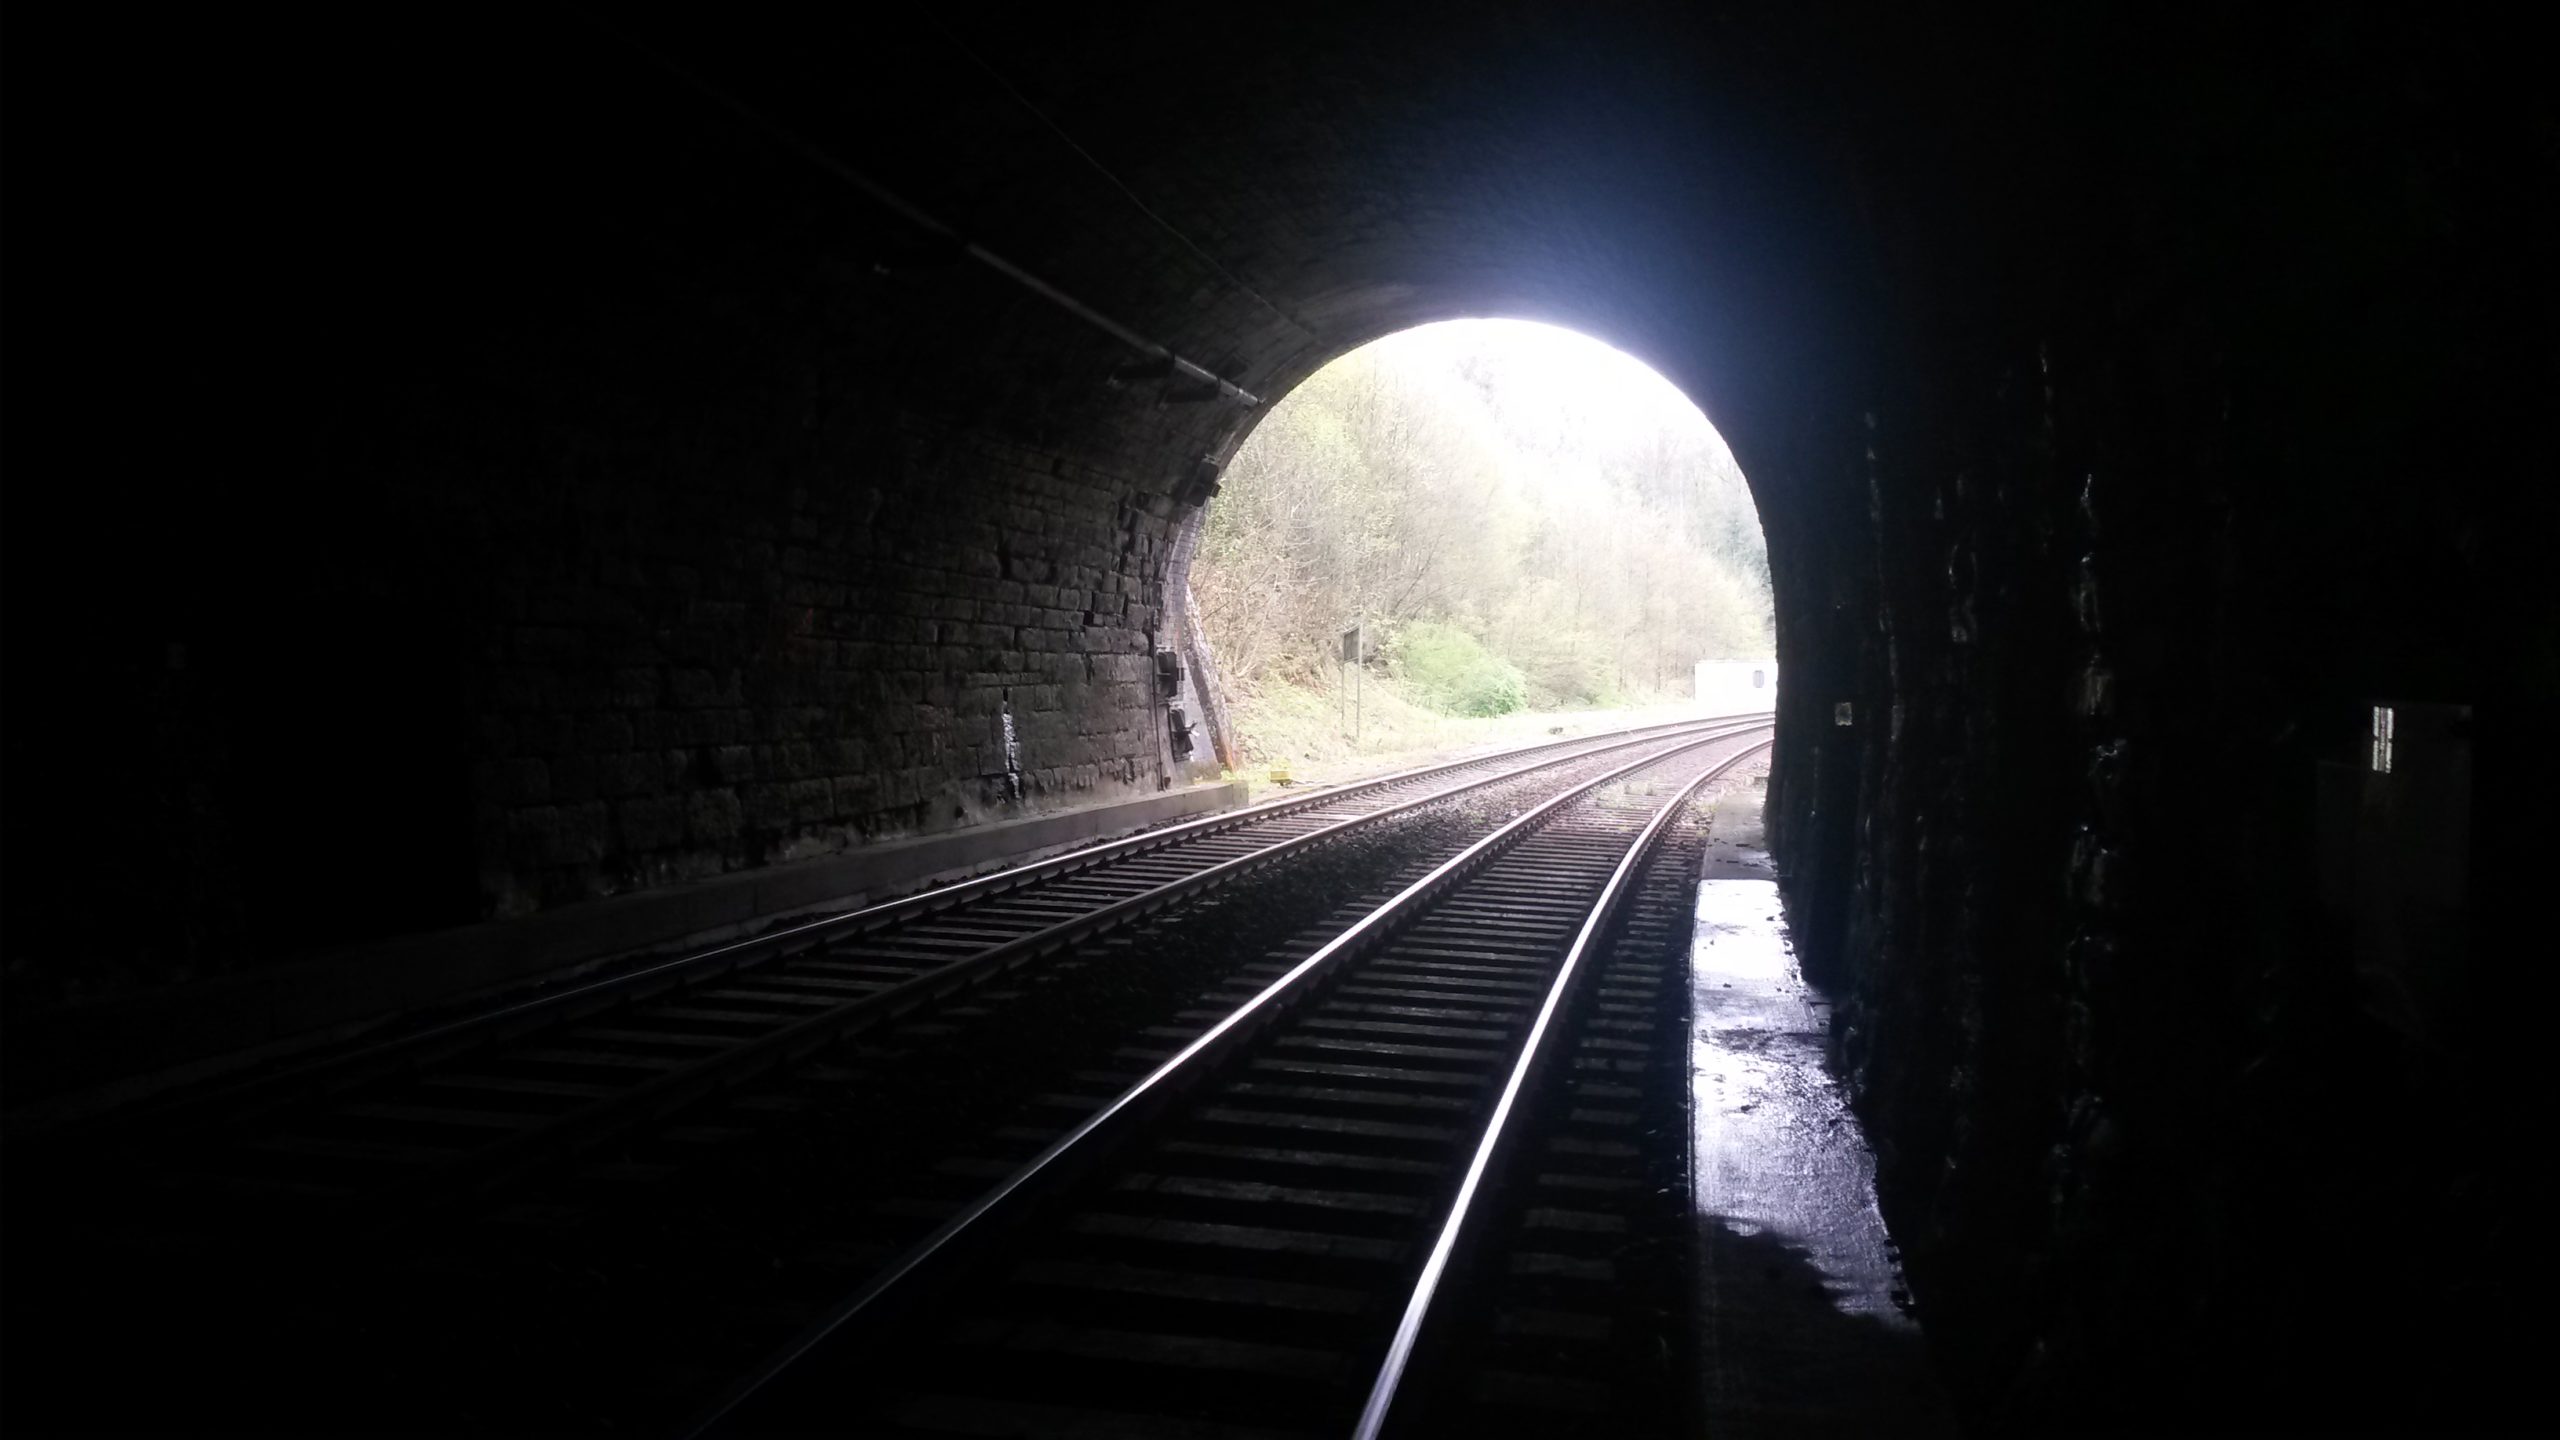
{"x":379,"y":1133}
{"x":1261,"y":1235}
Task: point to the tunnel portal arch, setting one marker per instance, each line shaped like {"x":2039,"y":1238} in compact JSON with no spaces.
{"x":757,"y":512}
{"x":1606,"y":406}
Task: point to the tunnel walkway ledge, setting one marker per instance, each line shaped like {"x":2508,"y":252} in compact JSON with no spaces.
{"x":1799,"y":1322}
{"x":125,"y":1048}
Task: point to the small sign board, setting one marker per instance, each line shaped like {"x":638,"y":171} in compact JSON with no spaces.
{"x":1351,"y":646}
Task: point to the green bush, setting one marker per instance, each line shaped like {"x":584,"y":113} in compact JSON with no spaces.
{"x":1452,"y":672}
{"x":1565,"y":671}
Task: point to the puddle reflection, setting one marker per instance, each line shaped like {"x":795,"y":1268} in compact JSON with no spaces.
{"x":1804,"y":1321}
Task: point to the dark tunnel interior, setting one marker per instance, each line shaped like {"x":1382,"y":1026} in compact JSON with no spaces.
{"x":479,"y":469}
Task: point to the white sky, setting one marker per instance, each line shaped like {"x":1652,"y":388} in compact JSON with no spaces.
{"x":1596,"y":384}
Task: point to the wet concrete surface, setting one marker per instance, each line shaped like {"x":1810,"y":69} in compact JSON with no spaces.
{"x":1802,"y":1327}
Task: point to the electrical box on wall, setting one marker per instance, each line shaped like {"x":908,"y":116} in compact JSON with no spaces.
{"x":2394,"y":836}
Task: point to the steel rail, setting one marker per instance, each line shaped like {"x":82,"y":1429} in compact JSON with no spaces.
{"x":1081,"y":1147}
{"x":317,"y":1077}
{"x":1417,"y":1311}
{"x":651,"y":1098}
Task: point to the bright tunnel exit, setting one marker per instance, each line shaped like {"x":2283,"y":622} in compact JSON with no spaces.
{"x":1477,"y":530}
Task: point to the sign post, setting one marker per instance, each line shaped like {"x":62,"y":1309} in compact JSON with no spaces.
{"x":1351,"y":661}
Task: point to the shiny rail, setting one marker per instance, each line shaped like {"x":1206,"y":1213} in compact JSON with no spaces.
{"x":1498,"y":1132}
{"x":481,"y":1100}
{"x":797,"y":1038}
{"x":304,"y":1081}
{"x":960,"y":1241}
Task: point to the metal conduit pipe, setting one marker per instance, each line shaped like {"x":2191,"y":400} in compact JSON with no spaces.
{"x":810,"y":151}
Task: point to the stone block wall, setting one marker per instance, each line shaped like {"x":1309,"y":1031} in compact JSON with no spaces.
{"x":737,"y":692}
{"x":584,"y":489}
{"x":2128,"y":538}
{"x":635,"y":503}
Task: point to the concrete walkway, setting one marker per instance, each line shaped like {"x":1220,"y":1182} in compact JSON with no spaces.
{"x":1800,"y":1327}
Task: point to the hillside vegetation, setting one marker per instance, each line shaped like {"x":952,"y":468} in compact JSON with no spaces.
{"x":1520,"y":518}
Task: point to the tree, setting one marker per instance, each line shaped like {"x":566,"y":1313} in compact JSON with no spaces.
{"x":1588,"y":540}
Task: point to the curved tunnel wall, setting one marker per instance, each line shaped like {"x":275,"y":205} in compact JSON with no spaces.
{"x":485,"y":474}
{"x":579,"y":469}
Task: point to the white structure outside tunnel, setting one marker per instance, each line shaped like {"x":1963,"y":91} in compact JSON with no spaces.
{"x":1735,"y":687}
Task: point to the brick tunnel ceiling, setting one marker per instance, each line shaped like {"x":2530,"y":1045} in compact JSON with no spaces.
{"x":1289,"y":196}
{"x":607,"y":455}
{"x":664,"y":505}
{"x":708,"y":509}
